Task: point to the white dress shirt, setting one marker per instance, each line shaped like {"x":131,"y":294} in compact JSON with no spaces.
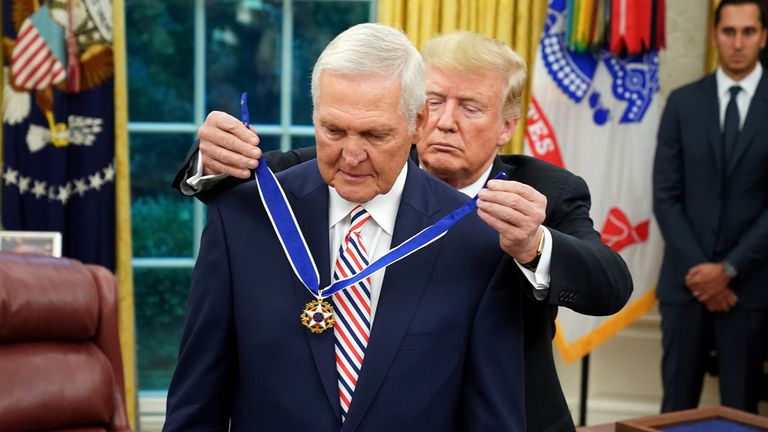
{"x":743,"y":98}
{"x":376,"y":233}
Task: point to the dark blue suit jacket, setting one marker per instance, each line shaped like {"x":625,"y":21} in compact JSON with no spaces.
{"x":445,"y":351}
{"x":707,"y":213}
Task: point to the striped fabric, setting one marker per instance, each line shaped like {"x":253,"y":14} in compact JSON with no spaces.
{"x":34,"y":62}
{"x":353,"y":309}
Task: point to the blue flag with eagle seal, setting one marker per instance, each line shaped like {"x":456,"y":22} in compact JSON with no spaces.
{"x":596,"y":113}
{"x":58,"y":170}
{"x":64,"y":147}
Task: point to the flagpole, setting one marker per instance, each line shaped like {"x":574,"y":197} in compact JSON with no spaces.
{"x":123,"y":245}
{"x":583,"y":392}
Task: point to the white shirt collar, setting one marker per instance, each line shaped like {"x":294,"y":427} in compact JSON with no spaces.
{"x":382,"y":208}
{"x":475,"y":187}
{"x":748,"y":84}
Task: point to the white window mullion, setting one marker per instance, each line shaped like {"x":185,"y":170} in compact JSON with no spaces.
{"x":199,"y":109}
{"x":286,"y":68}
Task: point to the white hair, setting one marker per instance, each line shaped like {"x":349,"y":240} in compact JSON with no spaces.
{"x":378,"y":50}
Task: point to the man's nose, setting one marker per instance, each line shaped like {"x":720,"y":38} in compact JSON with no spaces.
{"x":354,"y":151}
{"x":446,"y":120}
{"x":738,"y":41}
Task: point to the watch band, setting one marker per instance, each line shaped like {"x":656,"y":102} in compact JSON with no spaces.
{"x":531,"y":265}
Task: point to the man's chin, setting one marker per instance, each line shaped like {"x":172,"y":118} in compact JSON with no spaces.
{"x":435,"y":160}
{"x":354,"y":194}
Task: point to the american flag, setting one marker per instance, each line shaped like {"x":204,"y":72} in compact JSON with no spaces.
{"x":37,"y":58}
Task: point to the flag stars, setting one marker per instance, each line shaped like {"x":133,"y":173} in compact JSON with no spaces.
{"x":96,"y":181}
{"x":109,"y":173}
{"x":64,"y":193}
{"x":39,"y":188}
{"x":11,"y":176}
{"x":52,"y":192}
{"x":80,"y":187}
{"x":24,"y":185}
{"x":42,"y":189}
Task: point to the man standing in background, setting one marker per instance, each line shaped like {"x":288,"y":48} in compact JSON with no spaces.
{"x":710,"y":186}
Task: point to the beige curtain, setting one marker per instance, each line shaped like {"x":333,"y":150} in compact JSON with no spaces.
{"x":517,"y":23}
{"x":711,"y":60}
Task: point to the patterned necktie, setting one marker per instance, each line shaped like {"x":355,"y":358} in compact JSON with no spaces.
{"x":353,"y":309}
{"x":730,"y":126}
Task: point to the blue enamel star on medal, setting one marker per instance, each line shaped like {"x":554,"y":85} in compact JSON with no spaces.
{"x":318,"y":314}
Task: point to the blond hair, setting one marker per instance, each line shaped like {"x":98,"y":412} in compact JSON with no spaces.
{"x":464,"y":51}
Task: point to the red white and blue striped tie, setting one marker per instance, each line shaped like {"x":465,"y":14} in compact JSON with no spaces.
{"x":353,"y":309}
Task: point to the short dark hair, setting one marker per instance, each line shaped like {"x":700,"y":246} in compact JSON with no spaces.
{"x":757,"y":3}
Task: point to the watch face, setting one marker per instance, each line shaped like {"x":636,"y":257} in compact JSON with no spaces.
{"x":729,"y":269}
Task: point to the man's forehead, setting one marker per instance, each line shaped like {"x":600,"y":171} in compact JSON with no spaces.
{"x":740,"y":16}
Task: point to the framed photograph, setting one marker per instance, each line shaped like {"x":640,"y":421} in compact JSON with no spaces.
{"x":701,"y":419}
{"x":40,"y":242}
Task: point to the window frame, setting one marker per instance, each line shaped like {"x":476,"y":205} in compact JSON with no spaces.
{"x":152,"y":403}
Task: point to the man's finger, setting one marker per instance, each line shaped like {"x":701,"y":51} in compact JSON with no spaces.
{"x":227,"y":123}
{"x":216,"y":167}
{"x":516,"y":187}
{"x":228,"y":157}
{"x":509,"y":213}
{"x":217,"y":137}
{"x":509,"y":206}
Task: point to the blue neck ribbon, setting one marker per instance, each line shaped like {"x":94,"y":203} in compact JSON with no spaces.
{"x":295,"y":247}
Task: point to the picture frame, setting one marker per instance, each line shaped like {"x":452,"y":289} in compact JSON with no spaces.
{"x":704,"y":419}
{"x":40,"y":242}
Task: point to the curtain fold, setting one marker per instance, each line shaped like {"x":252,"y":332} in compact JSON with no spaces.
{"x":710,"y":59}
{"x":517,"y":23}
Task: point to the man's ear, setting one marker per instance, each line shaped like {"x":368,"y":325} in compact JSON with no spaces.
{"x":507,"y":130}
{"x":422,"y":118}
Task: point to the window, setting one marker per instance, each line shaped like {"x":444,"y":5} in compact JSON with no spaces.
{"x":184,"y":60}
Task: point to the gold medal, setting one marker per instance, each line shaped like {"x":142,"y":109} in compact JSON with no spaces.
{"x":318,"y":316}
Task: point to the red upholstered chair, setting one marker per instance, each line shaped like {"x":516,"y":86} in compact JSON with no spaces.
{"x":60,"y":364}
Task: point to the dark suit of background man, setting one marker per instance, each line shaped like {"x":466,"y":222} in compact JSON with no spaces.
{"x":474,"y":86}
{"x":710,"y":184}
{"x":445,"y":345}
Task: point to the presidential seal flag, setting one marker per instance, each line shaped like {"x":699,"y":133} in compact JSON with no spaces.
{"x":64,"y":148}
{"x":596,"y":113}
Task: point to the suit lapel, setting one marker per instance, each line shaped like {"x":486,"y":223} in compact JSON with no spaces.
{"x":306,"y":198}
{"x":499,"y":166}
{"x":758,"y":108}
{"x":401,"y":292}
{"x":709,"y":107}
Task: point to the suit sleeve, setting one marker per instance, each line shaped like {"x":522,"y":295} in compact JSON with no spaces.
{"x":276,"y":160}
{"x":752,"y":247}
{"x":668,"y":192}
{"x":586,"y":275}
{"x":201,"y":391}
{"x":493,"y":386}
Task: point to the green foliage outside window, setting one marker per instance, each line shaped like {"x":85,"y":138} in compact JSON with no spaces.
{"x":243,"y":52}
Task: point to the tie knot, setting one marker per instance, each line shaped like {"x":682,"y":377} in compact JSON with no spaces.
{"x":358,"y":217}
{"x":734,"y":90}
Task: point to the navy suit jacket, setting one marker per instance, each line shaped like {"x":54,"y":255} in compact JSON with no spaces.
{"x":587,"y":276}
{"x":707,"y":213}
{"x":445,"y":351}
